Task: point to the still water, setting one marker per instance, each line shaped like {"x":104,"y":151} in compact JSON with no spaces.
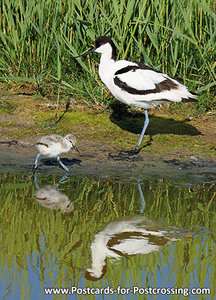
{"x":106,"y":238}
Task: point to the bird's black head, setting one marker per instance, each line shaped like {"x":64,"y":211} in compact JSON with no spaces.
{"x":103,"y":40}
{"x":103,"y":44}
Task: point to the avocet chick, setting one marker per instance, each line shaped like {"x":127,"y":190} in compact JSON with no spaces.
{"x":54,"y":145}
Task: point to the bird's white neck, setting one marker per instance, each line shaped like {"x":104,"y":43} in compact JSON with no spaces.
{"x":105,"y":68}
{"x":98,"y":253}
{"x":106,"y":56}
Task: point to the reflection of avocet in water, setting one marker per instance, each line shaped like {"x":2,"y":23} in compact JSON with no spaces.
{"x":124,"y":237}
{"x":50,"y":197}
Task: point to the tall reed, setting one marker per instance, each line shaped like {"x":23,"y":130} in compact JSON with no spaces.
{"x":38,"y":40}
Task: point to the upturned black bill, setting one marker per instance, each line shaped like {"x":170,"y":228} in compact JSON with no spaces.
{"x":87,"y":52}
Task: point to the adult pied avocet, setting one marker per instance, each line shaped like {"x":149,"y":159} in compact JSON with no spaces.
{"x":123,"y":237}
{"x":135,"y":83}
{"x":53,"y":146}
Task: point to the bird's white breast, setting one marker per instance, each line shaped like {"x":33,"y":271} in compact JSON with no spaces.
{"x":107,"y":70}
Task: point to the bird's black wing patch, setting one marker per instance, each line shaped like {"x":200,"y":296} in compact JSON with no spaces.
{"x":165,"y":85}
{"x":126,"y":69}
{"x":43,"y":144}
{"x":189,"y":99}
{"x":138,"y":65}
{"x":160,"y":87}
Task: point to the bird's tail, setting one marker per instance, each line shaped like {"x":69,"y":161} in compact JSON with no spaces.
{"x":191,"y":99}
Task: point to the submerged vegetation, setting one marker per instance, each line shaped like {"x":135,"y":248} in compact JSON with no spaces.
{"x":41,"y":247}
{"x":38,"y":40}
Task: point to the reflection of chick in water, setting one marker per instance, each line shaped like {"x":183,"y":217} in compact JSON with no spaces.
{"x":124,"y":237}
{"x":50,"y":197}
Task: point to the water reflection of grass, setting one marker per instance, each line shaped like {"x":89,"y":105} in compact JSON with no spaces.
{"x":54,"y":245}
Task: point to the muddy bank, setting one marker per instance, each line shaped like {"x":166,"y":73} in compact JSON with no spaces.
{"x":102,"y":160}
{"x":175,"y":142}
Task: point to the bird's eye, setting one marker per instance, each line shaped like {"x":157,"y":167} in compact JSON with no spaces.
{"x":98,"y":44}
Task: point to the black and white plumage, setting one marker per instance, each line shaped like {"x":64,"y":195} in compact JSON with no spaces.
{"x":124,"y":237}
{"x":135,"y":83}
{"x":54,"y":145}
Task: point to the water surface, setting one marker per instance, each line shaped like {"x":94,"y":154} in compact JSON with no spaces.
{"x":91,"y":232}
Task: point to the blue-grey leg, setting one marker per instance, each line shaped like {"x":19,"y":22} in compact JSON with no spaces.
{"x":142,"y":198}
{"x":36,"y":182}
{"x":62,"y":165}
{"x":143,"y":131}
{"x":36,"y":161}
{"x":62,"y":179}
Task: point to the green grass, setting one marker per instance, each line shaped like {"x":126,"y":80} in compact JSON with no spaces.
{"x":32,"y":116}
{"x":38,"y":40}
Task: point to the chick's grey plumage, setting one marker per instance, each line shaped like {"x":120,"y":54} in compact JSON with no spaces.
{"x":54,"y":145}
